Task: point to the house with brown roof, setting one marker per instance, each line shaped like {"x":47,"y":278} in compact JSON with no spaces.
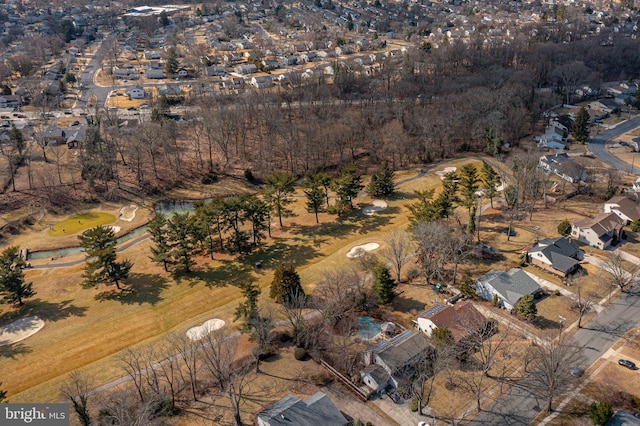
{"x":627,"y":209}
{"x":600,"y":232}
{"x":460,"y":319}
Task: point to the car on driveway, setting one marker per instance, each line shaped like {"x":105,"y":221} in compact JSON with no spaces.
{"x":626,"y":363}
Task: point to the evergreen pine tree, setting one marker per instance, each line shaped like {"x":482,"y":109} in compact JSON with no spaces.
{"x":285,"y":285}
{"x":12,"y":284}
{"x":383,"y":284}
{"x":99,"y":244}
{"x":248,"y":310}
{"x":526,"y":306}
{"x":157,"y":227}
{"x":381,"y":184}
{"x":580,"y":127}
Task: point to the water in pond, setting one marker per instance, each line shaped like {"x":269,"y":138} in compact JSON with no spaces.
{"x":165,"y":207}
{"x":368,"y":328}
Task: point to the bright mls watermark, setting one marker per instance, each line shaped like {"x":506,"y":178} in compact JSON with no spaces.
{"x":34,"y":414}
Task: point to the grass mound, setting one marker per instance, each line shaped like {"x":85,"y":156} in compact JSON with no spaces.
{"x":79,"y":223}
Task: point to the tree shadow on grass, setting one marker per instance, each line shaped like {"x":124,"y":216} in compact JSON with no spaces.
{"x":275,"y":254}
{"x":406,"y":304}
{"x":336,"y":229}
{"x":402,"y":195}
{"x":47,"y":311}
{"x":14,"y":350}
{"x":142,"y":289}
{"x":229,"y":272}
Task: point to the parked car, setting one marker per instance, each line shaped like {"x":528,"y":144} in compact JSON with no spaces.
{"x":577,"y":372}
{"x":75,"y":123}
{"x":67,"y":112}
{"x":21,"y":116}
{"x":132,"y":108}
{"x":4,"y":117}
{"x":626,"y":363}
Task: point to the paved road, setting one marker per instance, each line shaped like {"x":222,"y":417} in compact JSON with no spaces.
{"x":597,"y":145}
{"x":518,"y":406}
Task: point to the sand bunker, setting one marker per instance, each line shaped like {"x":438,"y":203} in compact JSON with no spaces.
{"x":128,"y":213}
{"x":115,"y":228}
{"x":20,"y":330}
{"x":197,"y":333}
{"x":358,"y":251}
{"x":376,"y":206}
{"x":446,"y":170}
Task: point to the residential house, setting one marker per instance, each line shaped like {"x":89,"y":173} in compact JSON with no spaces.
{"x":391,"y":362}
{"x":556,"y":255}
{"x":623,"y":418}
{"x":308,"y":56}
{"x":245,"y":69}
{"x":262,"y":82}
{"x":136,"y":92}
{"x":604,"y":105}
{"x":554,"y":138}
{"x":318,"y":409}
{"x":289,"y":61}
{"x":216,"y":71}
{"x":169,"y":90}
{"x":10,"y":101}
{"x":509,"y":286}
{"x":563,"y":166}
{"x":461,"y":319}
{"x":125,"y":73}
{"x":76,"y":137}
{"x":152,"y":55}
{"x":270,"y":64}
{"x":626,"y":208}
{"x":600,"y":232}
{"x":154,"y":73}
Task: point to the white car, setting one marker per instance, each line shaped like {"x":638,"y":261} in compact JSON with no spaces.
{"x":423,"y":424}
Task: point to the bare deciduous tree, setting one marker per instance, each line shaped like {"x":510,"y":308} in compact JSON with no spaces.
{"x":186,"y":351}
{"x":620,"y":277}
{"x":550,"y":373}
{"x":399,"y":250}
{"x":77,"y":389}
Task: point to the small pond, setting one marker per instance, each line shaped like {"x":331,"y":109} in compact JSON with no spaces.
{"x":165,"y":207}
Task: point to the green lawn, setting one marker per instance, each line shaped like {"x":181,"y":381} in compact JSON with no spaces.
{"x":80,"y":223}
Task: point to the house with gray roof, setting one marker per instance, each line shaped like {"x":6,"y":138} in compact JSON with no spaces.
{"x":556,"y":255}
{"x":509,"y":286}
{"x":600,"y":232}
{"x":391,"y":361}
{"x":318,"y":409}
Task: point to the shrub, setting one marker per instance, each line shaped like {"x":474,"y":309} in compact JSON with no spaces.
{"x":564,"y":228}
{"x":369,"y":424}
{"x":300,"y":354}
{"x":635,"y":225}
{"x":414,"y":405}
{"x":600,"y":413}
{"x":209,"y":178}
{"x":248,"y":175}
{"x":557,"y":293}
{"x":412,"y":274}
{"x":494,"y":300}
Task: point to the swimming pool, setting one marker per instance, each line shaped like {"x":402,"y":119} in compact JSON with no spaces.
{"x":368,"y":328}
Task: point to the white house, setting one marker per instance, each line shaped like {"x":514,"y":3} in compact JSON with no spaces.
{"x":509,"y":286}
{"x":627,"y":209}
{"x":460,"y":319}
{"x":136,"y":92}
{"x":600,"y":232}
{"x":262,"y":82}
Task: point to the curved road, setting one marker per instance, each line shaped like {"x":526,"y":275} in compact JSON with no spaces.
{"x":598,"y":144}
